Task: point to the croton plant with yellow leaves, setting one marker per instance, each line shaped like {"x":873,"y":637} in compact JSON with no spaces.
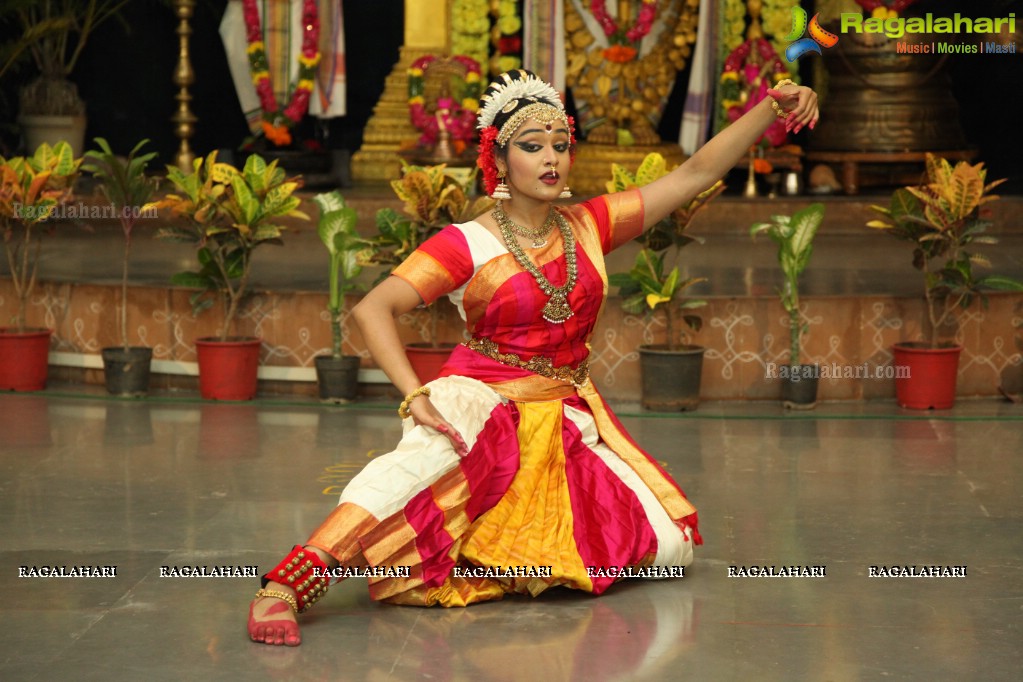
{"x":944,"y":219}
{"x":647,"y":287}
{"x":432,"y":200}
{"x":227,"y":213}
{"x":31,"y":189}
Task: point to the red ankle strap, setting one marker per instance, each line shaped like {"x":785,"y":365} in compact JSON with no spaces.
{"x":298,"y":571}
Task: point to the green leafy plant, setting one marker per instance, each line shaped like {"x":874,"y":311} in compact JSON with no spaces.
{"x":229,"y":214}
{"x":432,"y":200}
{"x":943,"y":220}
{"x":31,"y":188}
{"x":794,"y":237}
{"x":125,"y":185}
{"x":649,"y":286}
{"x":348,"y":253}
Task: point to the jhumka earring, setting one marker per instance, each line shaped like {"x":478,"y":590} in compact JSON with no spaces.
{"x":565,"y":193}
{"x":501,"y":191}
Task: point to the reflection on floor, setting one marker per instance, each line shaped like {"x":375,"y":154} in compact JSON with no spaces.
{"x":172,"y":481}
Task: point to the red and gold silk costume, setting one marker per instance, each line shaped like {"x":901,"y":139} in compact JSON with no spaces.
{"x":551,"y":478}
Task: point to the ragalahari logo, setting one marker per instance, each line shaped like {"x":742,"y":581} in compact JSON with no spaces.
{"x":818,"y":36}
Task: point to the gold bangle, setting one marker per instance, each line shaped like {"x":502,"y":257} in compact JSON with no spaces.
{"x":781,"y":113}
{"x":277,"y":594}
{"x":403,"y":409}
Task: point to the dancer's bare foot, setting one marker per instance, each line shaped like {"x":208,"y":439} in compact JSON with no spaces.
{"x":272,"y":620}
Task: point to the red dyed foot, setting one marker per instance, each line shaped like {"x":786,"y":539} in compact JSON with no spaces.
{"x":266,"y":628}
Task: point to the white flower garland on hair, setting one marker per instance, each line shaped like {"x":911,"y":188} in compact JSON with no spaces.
{"x":508,"y":90}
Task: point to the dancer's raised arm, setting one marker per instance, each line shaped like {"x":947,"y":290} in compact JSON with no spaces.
{"x":710,"y":163}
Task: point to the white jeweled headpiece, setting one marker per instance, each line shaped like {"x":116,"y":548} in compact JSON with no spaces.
{"x":516,"y":96}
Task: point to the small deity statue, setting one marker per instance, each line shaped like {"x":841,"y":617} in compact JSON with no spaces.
{"x":442,"y":150}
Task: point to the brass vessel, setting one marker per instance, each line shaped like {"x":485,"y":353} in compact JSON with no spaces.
{"x":882,"y":101}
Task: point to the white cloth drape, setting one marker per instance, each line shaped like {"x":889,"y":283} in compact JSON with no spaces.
{"x":699,"y":107}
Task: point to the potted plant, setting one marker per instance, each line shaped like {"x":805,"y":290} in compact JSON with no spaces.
{"x":794,"y":236}
{"x":228,"y":213}
{"x":671,"y":371}
{"x":433,"y":199}
{"x":336,"y":374}
{"x":53,"y":33}
{"x":124,"y":184}
{"x":31,"y":188}
{"x":942,"y":220}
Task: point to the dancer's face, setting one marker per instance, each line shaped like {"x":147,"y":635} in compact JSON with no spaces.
{"x":538,"y":160}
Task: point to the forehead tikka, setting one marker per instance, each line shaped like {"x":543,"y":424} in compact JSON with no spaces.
{"x":541,"y":112}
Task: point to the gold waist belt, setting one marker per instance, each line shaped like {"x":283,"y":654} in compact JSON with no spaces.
{"x":538,"y":364}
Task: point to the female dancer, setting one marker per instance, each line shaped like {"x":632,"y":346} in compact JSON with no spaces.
{"x":512,"y":475}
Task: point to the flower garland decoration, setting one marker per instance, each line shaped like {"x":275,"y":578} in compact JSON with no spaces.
{"x":484,"y":159}
{"x":883,"y":9}
{"x":460,"y":120}
{"x":644,"y":22}
{"x":776,"y":20}
{"x":470,"y":29}
{"x":621,"y":49}
{"x":749,"y":70}
{"x":276,"y":123}
{"x":507,"y":36}
{"x":733,"y":25}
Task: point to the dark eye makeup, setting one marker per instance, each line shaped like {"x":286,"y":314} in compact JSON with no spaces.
{"x":532,"y":147}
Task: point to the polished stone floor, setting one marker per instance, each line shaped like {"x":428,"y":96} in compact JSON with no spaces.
{"x":174,"y":481}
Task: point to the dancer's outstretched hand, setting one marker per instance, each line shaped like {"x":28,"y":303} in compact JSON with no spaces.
{"x":801,"y":104}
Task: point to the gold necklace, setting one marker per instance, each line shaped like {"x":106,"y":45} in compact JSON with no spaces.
{"x":538,"y":236}
{"x":557,"y":309}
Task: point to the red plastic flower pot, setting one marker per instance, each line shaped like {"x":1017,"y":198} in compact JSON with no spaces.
{"x":228,"y":369}
{"x":24,"y":359}
{"x":428,"y":360}
{"x":925,"y":377}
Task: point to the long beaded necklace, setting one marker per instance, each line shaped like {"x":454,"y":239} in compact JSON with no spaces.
{"x":537,"y":235}
{"x":557,"y":309}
